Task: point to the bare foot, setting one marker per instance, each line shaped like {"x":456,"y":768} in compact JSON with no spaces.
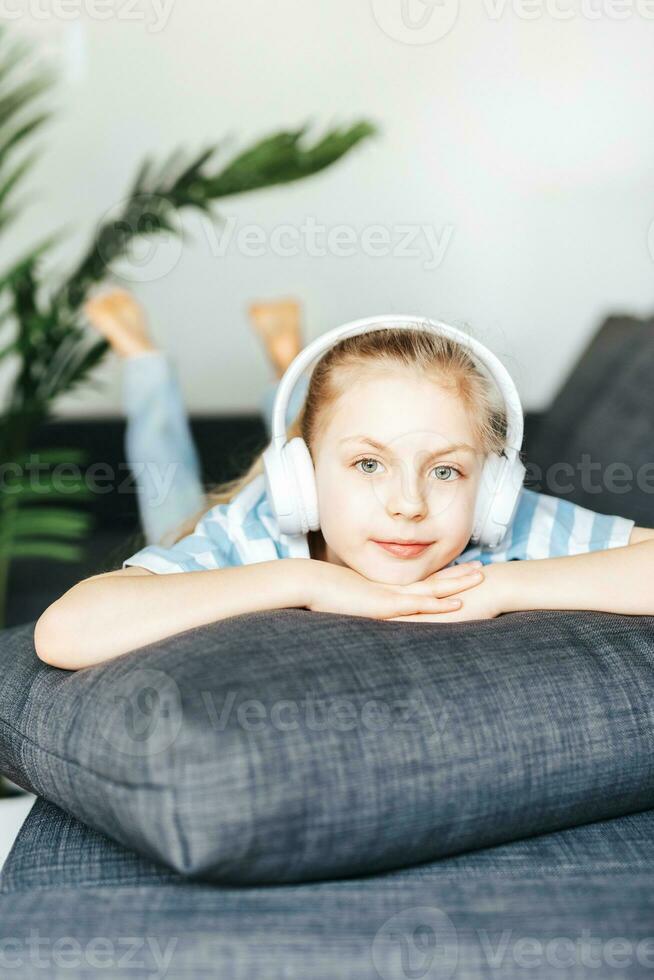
{"x":278,"y":325}
{"x":121,"y":320}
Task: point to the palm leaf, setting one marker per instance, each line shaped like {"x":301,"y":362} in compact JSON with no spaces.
{"x":20,"y":489}
{"x":9,"y":348}
{"x":56,"y":454}
{"x":13,"y":56}
{"x":20,"y":133}
{"x":47,"y":337}
{"x":56,"y":550}
{"x":60,"y":522}
{"x":22,"y":95}
{"x":276,"y":159}
{"x":29,"y":260}
{"x":34,"y":535}
{"x":49,"y":488}
{"x":9,"y":183}
{"x":75,"y":369}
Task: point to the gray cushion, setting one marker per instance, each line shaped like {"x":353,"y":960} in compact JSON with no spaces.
{"x":603,"y":415}
{"x":290,"y":745}
{"x":574,"y":903}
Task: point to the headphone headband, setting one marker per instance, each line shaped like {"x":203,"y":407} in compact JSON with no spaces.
{"x":313,"y":351}
{"x":288,"y":467}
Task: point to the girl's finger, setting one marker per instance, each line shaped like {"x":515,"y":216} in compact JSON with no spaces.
{"x":419,"y":618}
{"x":412,"y":604}
{"x":447,"y":586}
{"x":454,"y":570}
{"x":443,"y":613}
{"x":458,"y":583}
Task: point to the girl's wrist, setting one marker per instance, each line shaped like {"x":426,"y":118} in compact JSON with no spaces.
{"x":501,"y":578}
{"x":302,"y":575}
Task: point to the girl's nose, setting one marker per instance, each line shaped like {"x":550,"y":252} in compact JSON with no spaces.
{"x":407,"y":498}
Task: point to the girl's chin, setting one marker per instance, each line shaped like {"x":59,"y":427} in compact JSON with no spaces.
{"x":405,"y":574}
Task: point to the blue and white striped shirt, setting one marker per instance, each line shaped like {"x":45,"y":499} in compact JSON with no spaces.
{"x":244,"y":531}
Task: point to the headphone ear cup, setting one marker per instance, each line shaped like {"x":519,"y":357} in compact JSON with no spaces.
{"x":484,"y":498}
{"x":278,"y":489}
{"x":302,"y":477}
{"x":497,"y":499}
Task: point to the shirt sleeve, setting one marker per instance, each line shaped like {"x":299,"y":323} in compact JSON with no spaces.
{"x":549,"y":527}
{"x":209,"y":546}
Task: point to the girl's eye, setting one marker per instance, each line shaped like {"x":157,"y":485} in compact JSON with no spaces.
{"x":450,"y":469}
{"x":367,"y":459}
{"x":436,"y":469}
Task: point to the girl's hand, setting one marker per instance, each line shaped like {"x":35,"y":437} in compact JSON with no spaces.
{"x":118,"y":316}
{"x":484,"y":601}
{"x":340,"y":589}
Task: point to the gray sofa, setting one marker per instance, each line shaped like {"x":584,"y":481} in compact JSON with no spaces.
{"x":301,"y":795}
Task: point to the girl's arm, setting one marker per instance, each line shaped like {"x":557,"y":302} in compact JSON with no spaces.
{"x":641,"y":534}
{"x":618,"y":580}
{"x":106,"y":615}
{"x":113,"y":613}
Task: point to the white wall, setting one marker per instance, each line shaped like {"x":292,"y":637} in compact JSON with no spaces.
{"x":524,"y":146}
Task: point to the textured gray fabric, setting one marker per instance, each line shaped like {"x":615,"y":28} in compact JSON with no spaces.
{"x":210,"y":751}
{"x":573,"y":904}
{"x":602,"y":416}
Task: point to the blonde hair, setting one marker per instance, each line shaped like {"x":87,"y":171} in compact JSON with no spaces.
{"x":447,"y":362}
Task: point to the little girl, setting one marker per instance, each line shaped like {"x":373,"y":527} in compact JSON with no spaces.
{"x":371,"y":399}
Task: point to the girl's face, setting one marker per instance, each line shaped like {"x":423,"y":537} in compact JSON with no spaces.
{"x":419,"y":483}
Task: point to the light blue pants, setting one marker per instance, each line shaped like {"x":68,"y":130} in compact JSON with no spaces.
{"x":159,"y":445}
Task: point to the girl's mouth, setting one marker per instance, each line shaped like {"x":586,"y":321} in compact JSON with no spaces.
{"x":403,"y":550}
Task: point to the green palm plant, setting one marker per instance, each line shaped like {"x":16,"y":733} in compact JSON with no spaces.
{"x":42,"y":333}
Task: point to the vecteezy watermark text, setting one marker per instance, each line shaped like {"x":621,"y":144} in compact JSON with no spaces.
{"x":146,"y":954}
{"x":418,"y":22}
{"x":320,"y":714}
{"x":423,"y":941}
{"x":155,"y":14}
{"x":318,"y":240}
{"x":156,"y":480}
{"x":142,"y":714}
{"x":41,"y":478}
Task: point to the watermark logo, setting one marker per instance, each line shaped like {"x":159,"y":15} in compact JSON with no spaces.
{"x":416,"y":21}
{"x":141,"y":713}
{"x":418,"y":943}
{"x":149,"y":233}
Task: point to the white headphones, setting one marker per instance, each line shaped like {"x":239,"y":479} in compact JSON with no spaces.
{"x":289,"y":474}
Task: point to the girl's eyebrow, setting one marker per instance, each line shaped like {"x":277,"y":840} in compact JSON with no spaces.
{"x":455,"y":447}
